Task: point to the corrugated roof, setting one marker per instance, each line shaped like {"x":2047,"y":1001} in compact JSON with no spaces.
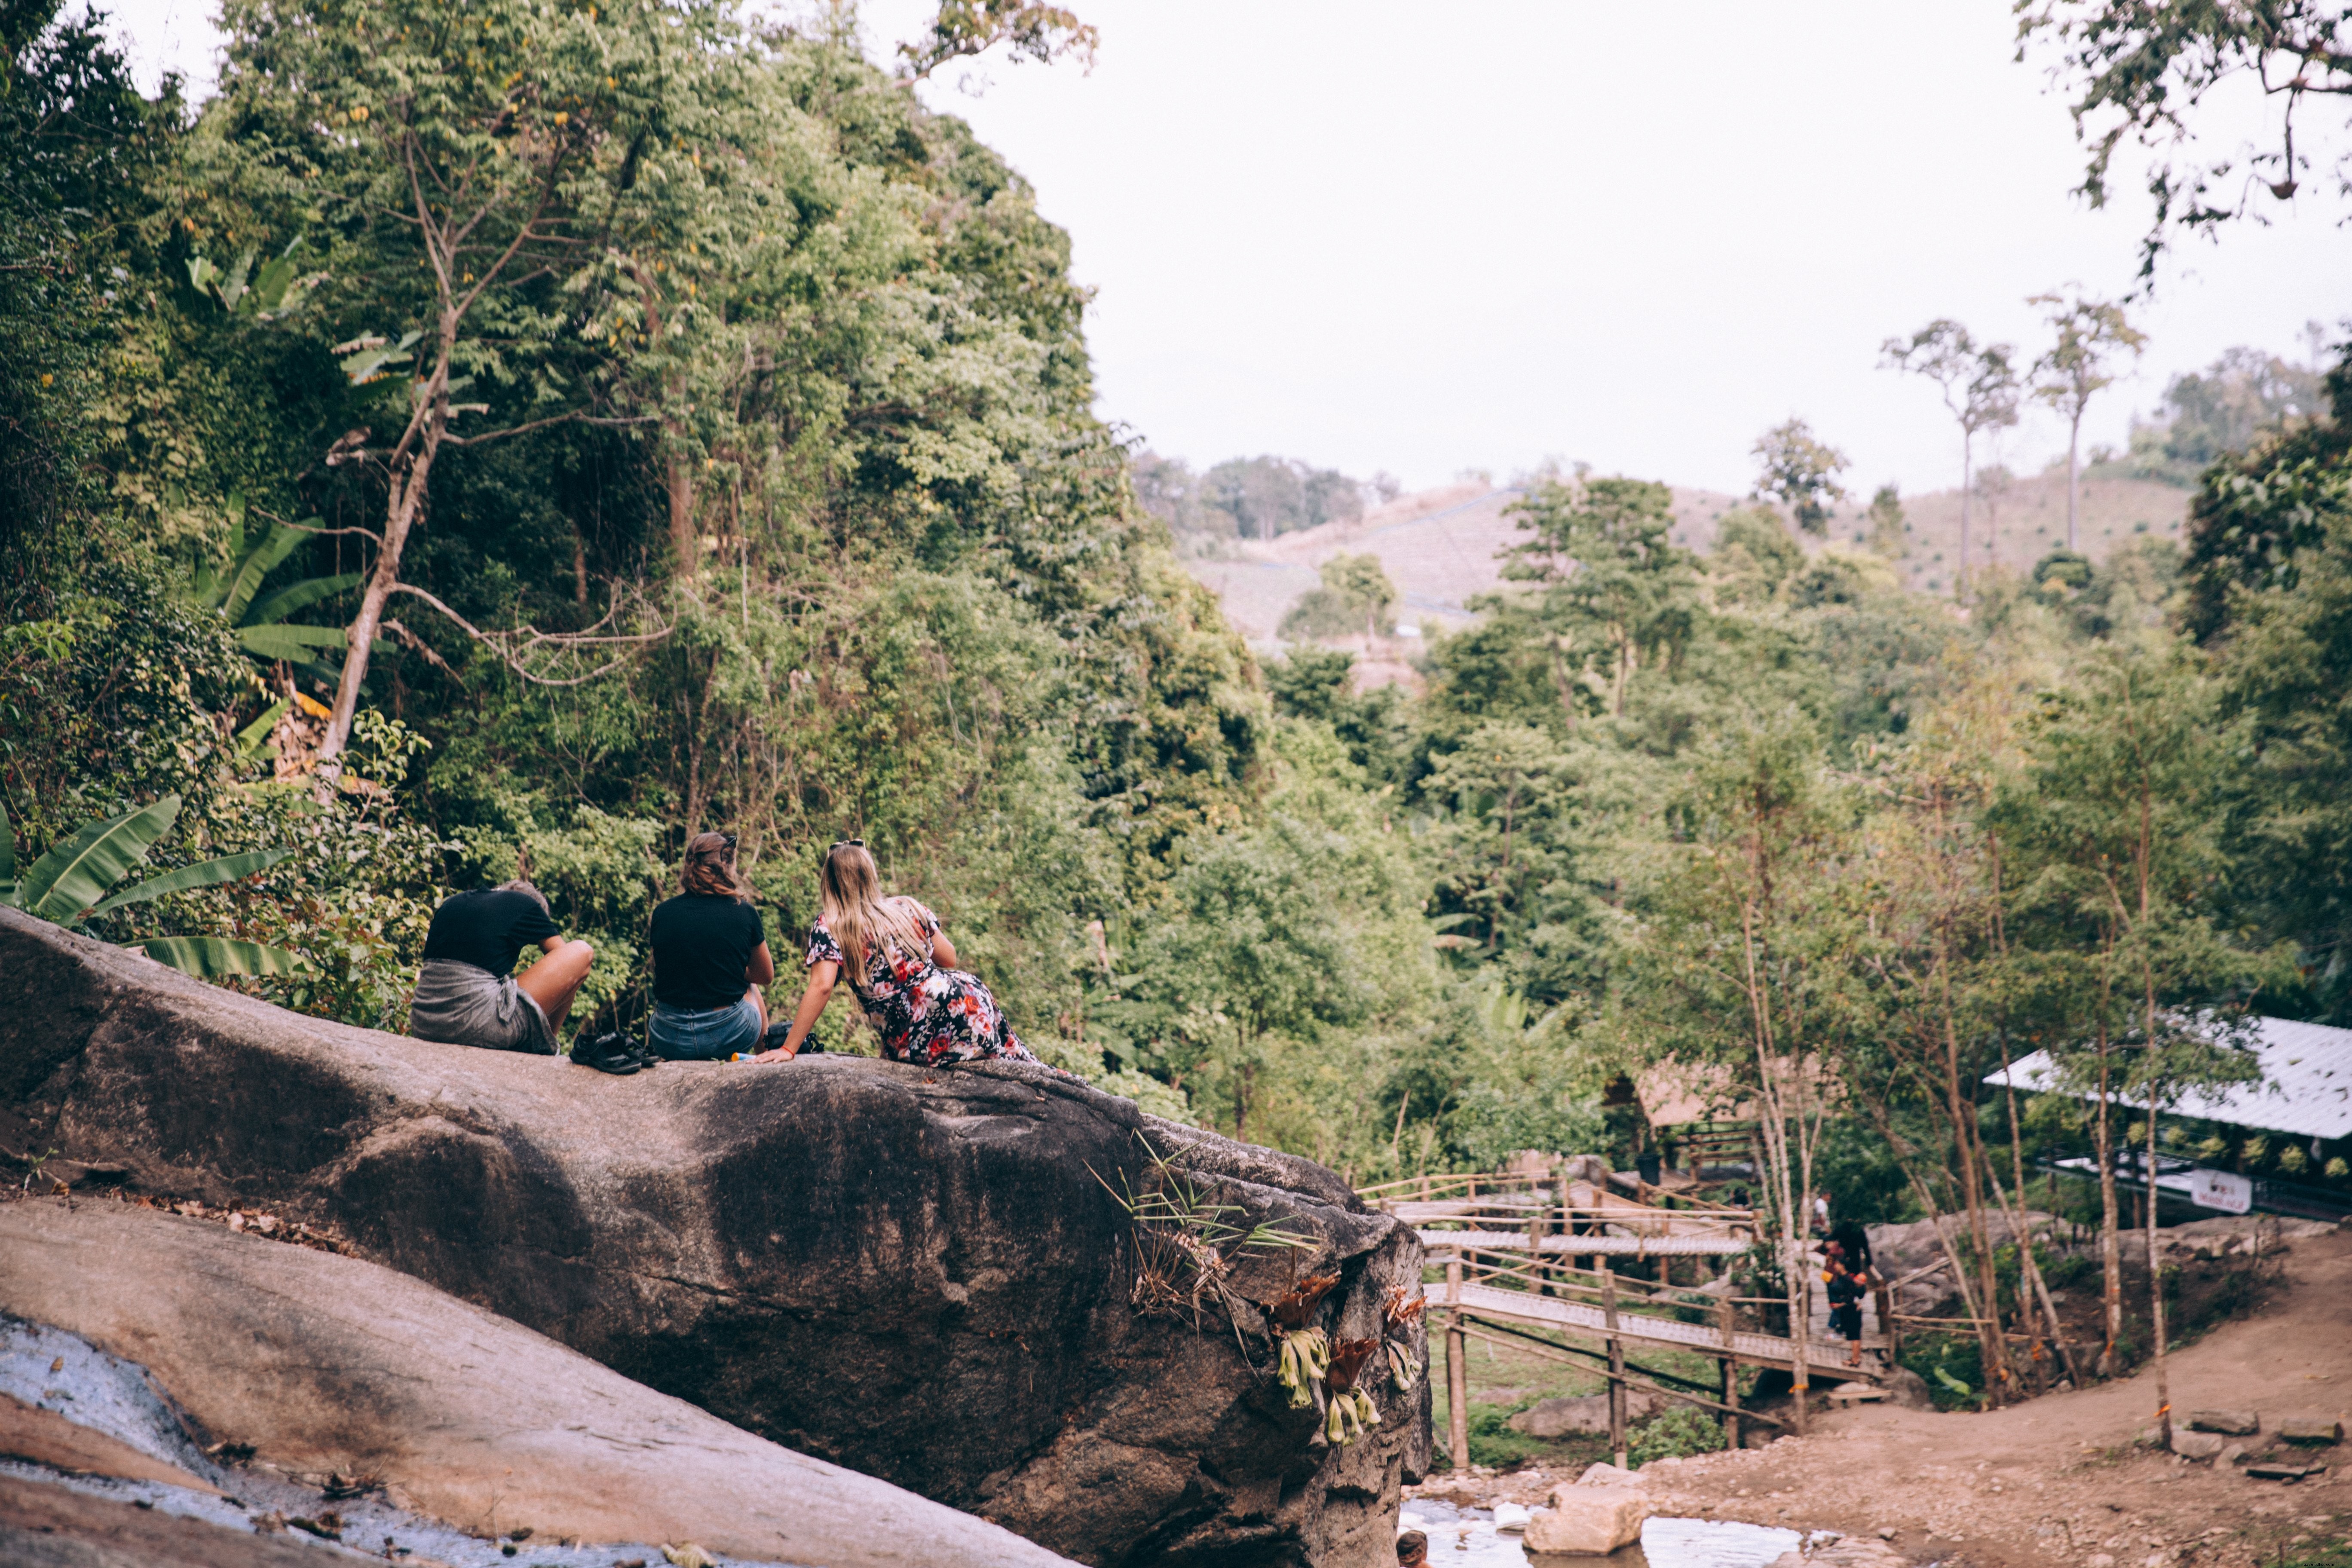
{"x":2305,"y":1088}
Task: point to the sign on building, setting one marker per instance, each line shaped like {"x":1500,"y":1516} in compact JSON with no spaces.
{"x":2221,"y":1190}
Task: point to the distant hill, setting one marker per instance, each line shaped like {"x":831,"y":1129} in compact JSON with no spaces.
{"x":1439,"y":546}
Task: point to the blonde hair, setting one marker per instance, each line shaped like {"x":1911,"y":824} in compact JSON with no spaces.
{"x":858,"y":914}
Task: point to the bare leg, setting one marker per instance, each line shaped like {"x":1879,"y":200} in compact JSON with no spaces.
{"x":555,"y":979}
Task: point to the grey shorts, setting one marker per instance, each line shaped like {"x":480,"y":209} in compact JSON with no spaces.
{"x":460,"y":1005}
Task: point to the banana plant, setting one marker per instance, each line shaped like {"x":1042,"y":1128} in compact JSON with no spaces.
{"x":240,"y":290}
{"x":69,"y":886}
{"x":260,"y":620}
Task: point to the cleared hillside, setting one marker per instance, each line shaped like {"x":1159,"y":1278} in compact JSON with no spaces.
{"x":1441,"y":547}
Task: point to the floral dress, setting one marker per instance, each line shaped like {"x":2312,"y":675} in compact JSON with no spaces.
{"x":925,"y":1016}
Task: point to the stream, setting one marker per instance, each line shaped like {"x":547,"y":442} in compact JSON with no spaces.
{"x":1467,"y":1538}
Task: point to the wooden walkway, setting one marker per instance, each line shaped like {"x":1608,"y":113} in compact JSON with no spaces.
{"x":1634,"y":1246}
{"x":1827,"y":1356}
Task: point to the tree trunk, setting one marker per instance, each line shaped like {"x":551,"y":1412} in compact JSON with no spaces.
{"x":1968,"y":488}
{"x":402,"y":505}
{"x":2111,"y":1257}
{"x":2156,"y":1291}
{"x":2073,"y":473}
{"x":682,"y":540}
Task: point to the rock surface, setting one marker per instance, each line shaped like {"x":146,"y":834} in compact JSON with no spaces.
{"x":2311,"y":1431}
{"x":1590,"y":1521}
{"x":1584,"y":1412}
{"x":2198,"y":1445}
{"x":1906,"y":1388}
{"x":916,"y":1275}
{"x":2229,"y":1422}
{"x":55,"y":1527}
{"x":327,"y":1364}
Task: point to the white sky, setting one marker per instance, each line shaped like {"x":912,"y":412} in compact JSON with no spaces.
{"x":1424,"y":239}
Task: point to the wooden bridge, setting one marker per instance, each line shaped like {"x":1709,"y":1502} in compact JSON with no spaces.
{"x":1529,"y":1263}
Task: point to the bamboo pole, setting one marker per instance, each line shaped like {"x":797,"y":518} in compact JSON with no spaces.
{"x":1457,"y":1374}
{"x":1616,"y":1364}
{"x":1729,"y":1361}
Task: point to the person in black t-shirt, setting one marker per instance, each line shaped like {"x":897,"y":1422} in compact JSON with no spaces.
{"x":466,"y":991}
{"x":710,"y":961}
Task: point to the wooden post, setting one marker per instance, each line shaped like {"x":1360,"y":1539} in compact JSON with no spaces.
{"x":1885,"y":1300}
{"x":1616,"y":1362}
{"x":1457,"y":1372}
{"x":1730,"y":1379}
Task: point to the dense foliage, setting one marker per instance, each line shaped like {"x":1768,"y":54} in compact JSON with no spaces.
{"x":632,"y":422}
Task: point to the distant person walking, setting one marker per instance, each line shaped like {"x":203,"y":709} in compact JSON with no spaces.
{"x":902,"y":969}
{"x":1845,"y":1285}
{"x":466,"y":991}
{"x":711,"y":959}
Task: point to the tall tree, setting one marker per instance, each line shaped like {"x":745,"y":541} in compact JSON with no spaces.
{"x":1979,"y":390}
{"x":482,"y":168}
{"x":2112,"y":830}
{"x":1743,"y":933}
{"x":1611,"y":580}
{"x":2092,"y":335}
{"x":1800,"y":473}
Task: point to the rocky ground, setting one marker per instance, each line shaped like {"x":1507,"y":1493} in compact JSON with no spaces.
{"x":2059,"y":1480}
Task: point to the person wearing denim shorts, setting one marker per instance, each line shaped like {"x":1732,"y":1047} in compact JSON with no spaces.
{"x":710,"y":961}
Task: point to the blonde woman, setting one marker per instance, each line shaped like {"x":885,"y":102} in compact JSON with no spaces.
{"x":902,"y":969}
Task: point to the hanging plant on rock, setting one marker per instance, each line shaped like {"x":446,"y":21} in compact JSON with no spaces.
{"x":1352,"y":1412}
{"x":1400,"y":1312}
{"x":1306,"y":1351}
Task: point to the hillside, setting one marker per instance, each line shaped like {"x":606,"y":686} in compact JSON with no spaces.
{"x":1440,"y":546}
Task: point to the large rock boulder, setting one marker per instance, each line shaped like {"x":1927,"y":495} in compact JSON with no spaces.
{"x":323,"y":1365}
{"x":924,"y":1276}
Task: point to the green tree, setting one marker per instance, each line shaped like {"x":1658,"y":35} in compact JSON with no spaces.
{"x":1754,"y":554}
{"x":486,"y":173}
{"x":1609,"y":583}
{"x":1800,"y":472}
{"x":1979,"y":390}
{"x":2093,"y":335}
{"x":1252,"y":943}
{"x":1889,"y":533}
{"x":2113,"y":841}
{"x":1742,"y":935}
{"x":2142,"y":72}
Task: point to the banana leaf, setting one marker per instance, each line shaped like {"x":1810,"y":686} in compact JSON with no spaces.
{"x":258,"y":563}
{"x":209,"y":957}
{"x":300,"y":595}
{"x":204,"y":874}
{"x":288,"y":642}
{"x":253,"y":734}
{"x":75,"y":874}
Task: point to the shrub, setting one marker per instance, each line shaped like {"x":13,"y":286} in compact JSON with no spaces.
{"x":1675,"y":1433}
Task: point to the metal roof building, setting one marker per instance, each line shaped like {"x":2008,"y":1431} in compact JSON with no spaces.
{"x":2306,"y":1090}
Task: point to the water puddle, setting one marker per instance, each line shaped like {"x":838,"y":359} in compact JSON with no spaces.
{"x":1467,"y":1538}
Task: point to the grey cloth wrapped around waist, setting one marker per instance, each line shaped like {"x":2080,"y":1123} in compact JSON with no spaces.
{"x":463,"y":1004}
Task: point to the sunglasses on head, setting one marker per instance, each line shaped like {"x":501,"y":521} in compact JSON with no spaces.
{"x":849,"y":844}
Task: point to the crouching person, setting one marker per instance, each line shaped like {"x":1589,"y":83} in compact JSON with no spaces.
{"x":466,"y":991}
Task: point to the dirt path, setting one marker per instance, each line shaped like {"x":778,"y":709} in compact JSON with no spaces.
{"x":2058,"y":1480}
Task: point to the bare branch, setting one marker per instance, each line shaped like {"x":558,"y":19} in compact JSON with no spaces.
{"x":415,"y":644}
{"x":512,"y":646}
{"x":306,"y":527}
